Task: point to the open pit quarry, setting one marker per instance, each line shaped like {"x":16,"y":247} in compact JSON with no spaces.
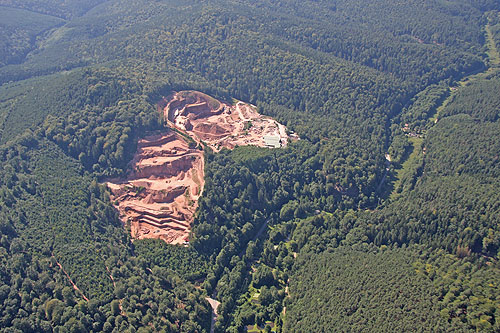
{"x":159,"y":195}
{"x":220,"y":124}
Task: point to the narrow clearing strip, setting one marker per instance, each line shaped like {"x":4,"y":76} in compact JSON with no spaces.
{"x":70,"y":281}
{"x":493,"y":68}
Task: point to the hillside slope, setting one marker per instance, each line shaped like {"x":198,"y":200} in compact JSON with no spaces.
{"x":362,"y":83}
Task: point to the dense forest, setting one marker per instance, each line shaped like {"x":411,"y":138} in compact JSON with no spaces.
{"x":384,"y":216}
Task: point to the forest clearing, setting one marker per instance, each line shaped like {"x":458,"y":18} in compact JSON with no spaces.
{"x":159,"y":195}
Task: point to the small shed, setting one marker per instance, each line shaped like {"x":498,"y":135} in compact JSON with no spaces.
{"x":272,"y":141}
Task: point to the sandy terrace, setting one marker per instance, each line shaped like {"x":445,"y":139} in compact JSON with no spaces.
{"x":220,"y":124}
{"x":160,"y":193}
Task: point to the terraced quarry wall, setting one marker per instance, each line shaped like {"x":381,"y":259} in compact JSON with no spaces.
{"x":160,"y":193}
{"x":220,"y":124}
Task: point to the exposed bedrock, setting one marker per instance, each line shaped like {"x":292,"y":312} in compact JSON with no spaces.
{"x":161,"y":167}
{"x":159,"y":195}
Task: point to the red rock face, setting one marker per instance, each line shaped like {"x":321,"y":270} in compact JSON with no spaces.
{"x":159,"y":196}
{"x":219,"y":124}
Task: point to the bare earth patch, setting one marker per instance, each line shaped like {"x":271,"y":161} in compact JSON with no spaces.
{"x":160,"y":193}
{"x":220,"y":124}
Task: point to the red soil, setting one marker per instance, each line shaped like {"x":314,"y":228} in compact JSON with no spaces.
{"x":160,"y":193}
{"x":219,"y":124}
{"x":71,"y":281}
{"x":159,"y":196}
